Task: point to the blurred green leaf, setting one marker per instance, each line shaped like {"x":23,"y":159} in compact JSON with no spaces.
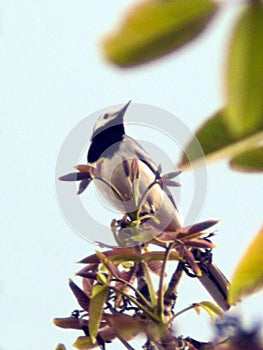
{"x":249,"y":161}
{"x":154,"y":28}
{"x":60,"y":347}
{"x":98,"y":298}
{"x":244,"y":80}
{"x":248,"y":277}
{"x":217,"y":142}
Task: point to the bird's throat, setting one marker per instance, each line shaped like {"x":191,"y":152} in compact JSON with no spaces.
{"x":105,"y":143}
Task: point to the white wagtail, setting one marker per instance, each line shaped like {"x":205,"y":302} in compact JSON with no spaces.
{"x":136,"y":187}
{"x":130,"y":181}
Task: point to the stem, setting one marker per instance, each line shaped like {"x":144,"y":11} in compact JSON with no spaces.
{"x":113,"y":188}
{"x":124,"y":342}
{"x":171,"y":291}
{"x":139,"y":294}
{"x":160,"y":307}
{"x":145,"y":279}
{"x":145,"y":193}
{"x":150,"y":314}
{"x":183,"y":311}
{"x":149,"y":283}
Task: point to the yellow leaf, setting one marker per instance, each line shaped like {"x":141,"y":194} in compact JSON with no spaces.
{"x":211,"y":308}
{"x":84,"y":343}
{"x":248,"y":277}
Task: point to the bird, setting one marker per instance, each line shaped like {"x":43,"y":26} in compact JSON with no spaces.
{"x":114,"y":156}
{"x":128,"y":178}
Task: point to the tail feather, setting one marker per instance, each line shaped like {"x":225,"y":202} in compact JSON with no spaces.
{"x":217,"y":285}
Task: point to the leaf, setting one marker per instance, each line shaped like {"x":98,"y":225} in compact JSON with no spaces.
{"x":89,"y":271}
{"x":117,"y":255}
{"x":216,"y":142}
{"x":200,"y":243}
{"x":249,"y":161}
{"x":248,"y":277}
{"x":85,"y":168}
{"x":124,"y":325}
{"x":153,"y":256}
{"x":81,"y":297}
{"x":101,"y":278}
{"x":154,"y":28}
{"x":198,"y":227}
{"x":211,"y":308}
{"x":244,"y":80}
{"x":110,"y":266}
{"x":60,"y":347}
{"x":84,"y":343}
{"x":98,"y":298}
{"x":87,"y":284}
{"x":75,"y":177}
{"x":70,"y":322}
{"x":83,"y":185}
{"x":155,"y":267}
{"x":129,"y":277}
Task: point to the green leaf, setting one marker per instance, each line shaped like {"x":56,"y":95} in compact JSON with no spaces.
{"x":108,"y":264}
{"x":84,"y":343}
{"x":248,"y":277}
{"x":244,"y":80}
{"x":154,"y":28}
{"x":211,"y":308}
{"x":249,"y":161}
{"x":101,"y":278}
{"x":98,"y":298}
{"x":217,"y":142}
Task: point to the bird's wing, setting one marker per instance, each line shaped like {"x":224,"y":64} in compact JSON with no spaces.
{"x":145,"y":158}
{"x":138,"y":150}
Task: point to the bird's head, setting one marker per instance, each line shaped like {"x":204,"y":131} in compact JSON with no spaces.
{"x":109,"y":120}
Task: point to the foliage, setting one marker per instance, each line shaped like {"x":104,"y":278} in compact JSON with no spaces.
{"x":111,"y":306}
{"x":118,"y":300}
{"x":236,"y":131}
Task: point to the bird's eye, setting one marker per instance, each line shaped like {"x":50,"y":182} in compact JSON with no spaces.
{"x":106,"y":116}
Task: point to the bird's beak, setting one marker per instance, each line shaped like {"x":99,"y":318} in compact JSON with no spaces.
{"x":122,"y":111}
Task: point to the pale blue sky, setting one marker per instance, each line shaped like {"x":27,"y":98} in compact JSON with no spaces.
{"x":51,"y":77}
